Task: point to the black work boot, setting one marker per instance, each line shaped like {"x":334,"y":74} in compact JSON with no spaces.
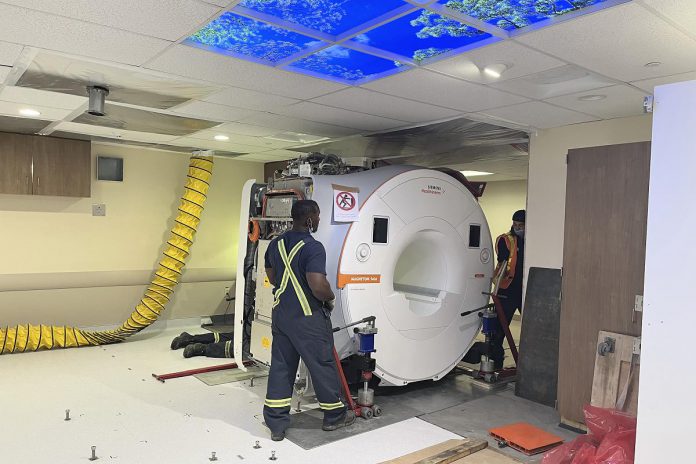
{"x":277,"y":436}
{"x":344,"y":421}
{"x":195,"y":349}
{"x":183,"y":340}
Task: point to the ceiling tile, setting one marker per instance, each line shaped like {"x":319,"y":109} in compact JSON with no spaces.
{"x":286,"y":123}
{"x":41,"y":97}
{"x":539,"y":115}
{"x":242,"y":98}
{"x":51,"y":114}
{"x":246,"y":129}
{"x":388,"y":106}
{"x":215,"y":145}
{"x":623,"y":40}
{"x":649,"y":84}
{"x":260,"y":142}
{"x":677,"y":11}
{"x":52,"y":32}
{"x":429,"y":87}
{"x":254,"y":158}
{"x":4,"y":72}
{"x":320,"y":113}
{"x":520,"y":61}
{"x":9,"y":53}
{"x":200,"y":64}
{"x":620,"y":101}
{"x":165,"y":19}
{"x":223,"y":3}
{"x":554,"y":82}
{"x":112,"y":133}
{"x":212,"y":111}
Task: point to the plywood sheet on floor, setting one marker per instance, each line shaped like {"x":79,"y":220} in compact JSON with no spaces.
{"x":484,"y":456}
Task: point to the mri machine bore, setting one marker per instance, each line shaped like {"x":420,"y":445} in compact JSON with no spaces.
{"x":417,"y":257}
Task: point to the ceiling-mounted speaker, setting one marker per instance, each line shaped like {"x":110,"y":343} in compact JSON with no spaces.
{"x":97,"y":98}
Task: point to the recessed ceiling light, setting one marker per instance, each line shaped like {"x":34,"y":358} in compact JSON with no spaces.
{"x":652,"y":64}
{"x":476,"y":173}
{"x":495,"y":70}
{"x":221,"y":138}
{"x":29,"y":112}
{"x":588,"y":98}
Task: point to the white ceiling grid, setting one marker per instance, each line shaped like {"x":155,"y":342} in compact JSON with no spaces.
{"x":609,"y":48}
{"x":379,"y":104}
{"x":540,"y":114}
{"x":51,"y":32}
{"x":9,"y":53}
{"x":175,"y":18}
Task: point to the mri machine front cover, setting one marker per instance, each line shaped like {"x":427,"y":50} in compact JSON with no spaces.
{"x":428,"y":273}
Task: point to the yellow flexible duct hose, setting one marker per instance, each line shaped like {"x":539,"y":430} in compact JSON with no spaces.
{"x":22,"y":338}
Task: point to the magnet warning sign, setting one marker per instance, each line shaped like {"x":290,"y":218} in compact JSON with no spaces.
{"x":346,"y":207}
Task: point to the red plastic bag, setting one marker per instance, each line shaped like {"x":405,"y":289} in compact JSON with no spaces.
{"x":579,"y":451}
{"x":611,"y":440}
{"x":601,"y":421}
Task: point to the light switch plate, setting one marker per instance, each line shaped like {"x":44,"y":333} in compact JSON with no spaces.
{"x":99,"y":210}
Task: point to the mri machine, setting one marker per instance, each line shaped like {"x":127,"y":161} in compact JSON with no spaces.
{"x":417,"y":257}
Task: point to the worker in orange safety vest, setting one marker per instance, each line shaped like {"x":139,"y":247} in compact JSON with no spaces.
{"x":507,"y":278}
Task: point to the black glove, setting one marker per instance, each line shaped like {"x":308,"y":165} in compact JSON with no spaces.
{"x":330,"y":304}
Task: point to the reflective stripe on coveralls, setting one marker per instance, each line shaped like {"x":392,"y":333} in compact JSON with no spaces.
{"x":330,"y":406}
{"x":284,"y":403}
{"x":290,"y":275}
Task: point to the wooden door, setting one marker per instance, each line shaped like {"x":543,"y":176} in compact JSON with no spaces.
{"x":603,"y":260}
{"x":15,"y":164}
{"x":62,"y":167}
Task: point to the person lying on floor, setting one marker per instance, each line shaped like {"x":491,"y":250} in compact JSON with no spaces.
{"x":212,"y":344}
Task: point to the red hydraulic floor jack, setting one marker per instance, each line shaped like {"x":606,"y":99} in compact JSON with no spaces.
{"x":365,"y":405}
{"x":493,"y":321}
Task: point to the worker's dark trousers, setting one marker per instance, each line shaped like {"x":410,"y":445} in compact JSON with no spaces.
{"x":222,"y":348}
{"x":298,"y":336}
{"x":512,"y":303}
{"x":218,"y":345}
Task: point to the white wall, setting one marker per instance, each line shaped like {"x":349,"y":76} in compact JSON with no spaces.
{"x":62,"y":265}
{"x":499,"y":201}
{"x":665,"y":404}
{"x":547,"y":180}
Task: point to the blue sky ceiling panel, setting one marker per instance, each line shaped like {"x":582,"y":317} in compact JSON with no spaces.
{"x":421,"y":35}
{"x":516,"y":14}
{"x":254,"y":39}
{"x":332,"y":17}
{"x":354,"y":41}
{"x":346,"y":65}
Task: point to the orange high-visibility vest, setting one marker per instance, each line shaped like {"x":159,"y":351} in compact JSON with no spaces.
{"x":507,"y":268}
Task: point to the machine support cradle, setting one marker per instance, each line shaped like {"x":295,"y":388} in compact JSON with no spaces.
{"x":493,"y":322}
{"x":365,"y":406}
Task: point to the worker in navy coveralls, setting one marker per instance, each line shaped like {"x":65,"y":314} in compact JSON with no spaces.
{"x":296,"y":267}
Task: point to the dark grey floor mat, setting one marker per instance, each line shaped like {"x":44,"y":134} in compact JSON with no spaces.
{"x":398,"y":404}
{"x":474,"y":418}
{"x":231,"y":375}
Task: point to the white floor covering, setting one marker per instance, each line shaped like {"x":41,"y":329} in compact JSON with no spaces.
{"x":117,"y":405}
